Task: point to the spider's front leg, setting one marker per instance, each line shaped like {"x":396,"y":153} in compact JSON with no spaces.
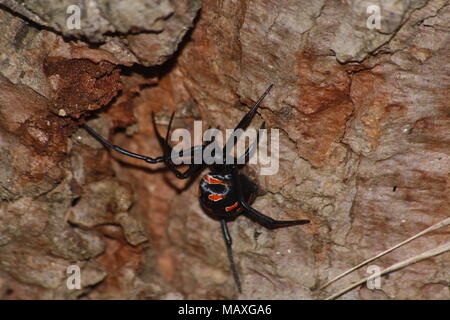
{"x":243,"y":124}
{"x":257,"y":216}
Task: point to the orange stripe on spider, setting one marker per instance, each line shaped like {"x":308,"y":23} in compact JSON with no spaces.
{"x":212,"y":180}
{"x":228,"y":209}
{"x":215,"y":197}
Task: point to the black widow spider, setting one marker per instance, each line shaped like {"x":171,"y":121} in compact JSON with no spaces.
{"x":224,"y":192}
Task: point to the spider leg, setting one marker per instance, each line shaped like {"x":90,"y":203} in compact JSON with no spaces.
{"x":229,"y":242}
{"x":245,"y":121}
{"x":257,"y":216}
{"x":167,"y":152}
{"x":193,"y":168}
{"x":114,"y":147}
{"x":109,"y":145}
{"x":163,"y":142}
{"x":251,"y":149}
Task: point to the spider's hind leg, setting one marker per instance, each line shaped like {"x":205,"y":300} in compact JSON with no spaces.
{"x":269,"y":222}
{"x":240,"y":182}
{"x":228,"y":243}
{"x":120,"y":150}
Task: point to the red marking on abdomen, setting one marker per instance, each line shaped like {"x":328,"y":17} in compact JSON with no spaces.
{"x":227,"y":209}
{"x":215,"y":197}
{"x":212,"y":180}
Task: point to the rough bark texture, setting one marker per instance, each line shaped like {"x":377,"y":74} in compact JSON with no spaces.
{"x":364,"y":127}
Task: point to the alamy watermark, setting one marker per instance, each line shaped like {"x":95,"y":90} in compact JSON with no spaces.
{"x":73,"y":21}
{"x":74,"y":279}
{"x":374,"y":281}
{"x":236,"y":147}
{"x":374,"y":19}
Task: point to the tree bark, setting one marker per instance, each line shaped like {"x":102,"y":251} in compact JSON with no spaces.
{"x":360,"y":101}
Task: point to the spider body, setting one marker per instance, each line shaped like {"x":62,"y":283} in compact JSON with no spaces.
{"x":224,"y":192}
{"x":219,"y":198}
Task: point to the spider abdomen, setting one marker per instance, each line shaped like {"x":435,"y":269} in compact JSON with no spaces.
{"x":218,"y":195}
